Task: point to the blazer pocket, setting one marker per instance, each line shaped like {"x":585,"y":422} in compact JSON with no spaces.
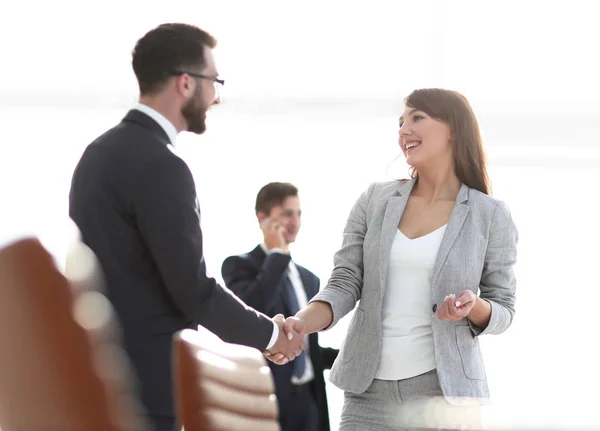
{"x":351,"y":340}
{"x":470,"y":354}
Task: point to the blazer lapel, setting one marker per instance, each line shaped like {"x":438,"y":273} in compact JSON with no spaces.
{"x":457,"y":218}
{"x":391,"y":220}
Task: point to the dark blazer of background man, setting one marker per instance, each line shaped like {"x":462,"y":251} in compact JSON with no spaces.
{"x":134,"y":201}
{"x":267,"y":279}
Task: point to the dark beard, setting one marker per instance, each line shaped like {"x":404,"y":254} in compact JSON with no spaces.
{"x":194,"y":114}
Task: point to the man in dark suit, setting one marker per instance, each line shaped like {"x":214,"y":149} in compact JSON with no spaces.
{"x":268,"y":280}
{"x":134,"y":201}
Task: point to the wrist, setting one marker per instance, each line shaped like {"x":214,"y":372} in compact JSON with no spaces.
{"x":280,"y":247}
{"x":316,"y":316}
{"x":480,"y":312}
{"x":278,"y":250}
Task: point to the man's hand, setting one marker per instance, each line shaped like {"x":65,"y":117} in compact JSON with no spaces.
{"x":273,"y":233}
{"x":457,"y":307}
{"x":290,"y":342}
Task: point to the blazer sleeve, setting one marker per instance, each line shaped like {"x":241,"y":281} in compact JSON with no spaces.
{"x":168,"y":217}
{"x":257,"y":288}
{"x":498,"y":284}
{"x":344,"y":287}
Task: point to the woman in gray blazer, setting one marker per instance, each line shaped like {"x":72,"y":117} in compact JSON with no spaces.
{"x":430,"y":263}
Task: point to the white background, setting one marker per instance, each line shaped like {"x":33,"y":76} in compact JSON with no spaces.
{"x":313,"y":91}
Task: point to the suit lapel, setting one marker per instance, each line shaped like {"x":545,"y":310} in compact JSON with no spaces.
{"x":457,"y":219}
{"x":391,"y":220}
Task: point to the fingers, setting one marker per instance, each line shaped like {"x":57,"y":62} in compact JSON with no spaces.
{"x":451,"y":301}
{"x":448,"y":309}
{"x":276,"y":358}
{"x":454,"y":312}
{"x":465,"y":297}
{"x":292,"y":354}
{"x":270,"y":224}
{"x":442,"y":311}
{"x":296,"y":343}
{"x":273,"y":232}
{"x":291,"y":340}
{"x":294,"y":324}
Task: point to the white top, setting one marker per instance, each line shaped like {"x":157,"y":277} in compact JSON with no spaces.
{"x":407,"y":338}
{"x":294,"y":275}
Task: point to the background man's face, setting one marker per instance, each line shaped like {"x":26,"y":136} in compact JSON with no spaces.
{"x":289,"y":215}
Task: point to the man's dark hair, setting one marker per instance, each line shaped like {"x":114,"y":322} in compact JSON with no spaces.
{"x":274,"y":194}
{"x":166,"y":49}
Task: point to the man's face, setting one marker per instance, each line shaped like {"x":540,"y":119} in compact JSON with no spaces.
{"x":204,"y":96}
{"x":289,"y":215}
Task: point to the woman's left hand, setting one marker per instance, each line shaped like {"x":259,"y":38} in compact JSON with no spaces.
{"x":457,"y":307}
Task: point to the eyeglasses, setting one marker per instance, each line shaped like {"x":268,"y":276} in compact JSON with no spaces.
{"x":215,"y":80}
{"x":198,"y":75}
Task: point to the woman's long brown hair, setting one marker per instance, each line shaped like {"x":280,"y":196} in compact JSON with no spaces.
{"x":455,"y":110}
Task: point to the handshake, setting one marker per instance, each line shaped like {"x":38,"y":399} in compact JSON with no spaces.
{"x":290,"y":342}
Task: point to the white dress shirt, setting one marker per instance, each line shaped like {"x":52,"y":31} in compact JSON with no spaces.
{"x":166,"y":125}
{"x":171,"y":132}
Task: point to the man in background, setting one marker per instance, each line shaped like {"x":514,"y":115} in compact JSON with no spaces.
{"x":269,"y":280}
{"x":134,"y":201}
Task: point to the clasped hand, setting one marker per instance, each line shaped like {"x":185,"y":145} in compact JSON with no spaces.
{"x":290,"y":342}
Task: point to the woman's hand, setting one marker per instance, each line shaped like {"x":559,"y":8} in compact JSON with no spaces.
{"x":457,"y":307}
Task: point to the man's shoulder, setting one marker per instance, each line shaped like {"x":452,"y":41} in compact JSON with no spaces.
{"x":129,"y":143}
{"x":251,"y":256}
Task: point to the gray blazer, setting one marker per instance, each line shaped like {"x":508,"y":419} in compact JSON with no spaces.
{"x":478,"y":252}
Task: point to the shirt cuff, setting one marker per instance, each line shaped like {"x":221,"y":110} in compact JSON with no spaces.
{"x":276,"y":250}
{"x":274,"y":336}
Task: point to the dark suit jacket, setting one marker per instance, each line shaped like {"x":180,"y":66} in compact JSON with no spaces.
{"x":258,"y":280}
{"x":135,"y":203}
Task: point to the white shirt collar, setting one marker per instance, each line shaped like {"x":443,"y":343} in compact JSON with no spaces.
{"x":264,"y":248}
{"x":167,"y":126}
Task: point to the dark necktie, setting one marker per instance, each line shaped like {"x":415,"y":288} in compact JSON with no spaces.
{"x":299,"y":364}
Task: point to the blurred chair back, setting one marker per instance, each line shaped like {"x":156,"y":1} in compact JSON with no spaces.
{"x":61,"y":364}
{"x":222,"y":386}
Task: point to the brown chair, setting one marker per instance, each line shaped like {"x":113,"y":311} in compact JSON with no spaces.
{"x":61,"y":364}
{"x":222,"y":386}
